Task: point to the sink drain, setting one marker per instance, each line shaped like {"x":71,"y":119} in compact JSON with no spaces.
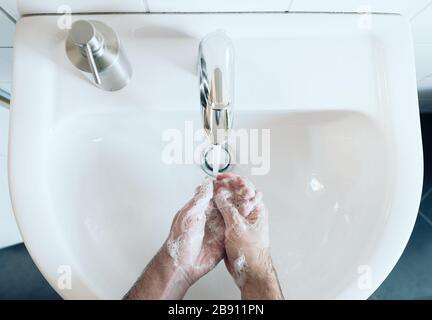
{"x":216,"y":161}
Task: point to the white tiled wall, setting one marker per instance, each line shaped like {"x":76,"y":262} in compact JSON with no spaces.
{"x":405,"y":7}
{"x":53,"y":6}
{"x":5,"y":67}
{"x":9,"y":234}
{"x":7,"y":28}
{"x":422,"y":34}
{"x":10,"y":7}
{"x":217,"y":6}
{"x":419,"y":12}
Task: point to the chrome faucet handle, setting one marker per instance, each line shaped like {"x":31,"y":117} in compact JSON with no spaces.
{"x":95,"y":48}
{"x":84,"y":35}
{"x":92,"y":64}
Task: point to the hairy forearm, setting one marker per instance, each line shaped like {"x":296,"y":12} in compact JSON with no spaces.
{"x":161,"y":279}
{"x":263,"y":288}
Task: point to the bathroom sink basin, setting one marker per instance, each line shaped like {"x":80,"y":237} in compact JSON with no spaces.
{"x":94,"y":199}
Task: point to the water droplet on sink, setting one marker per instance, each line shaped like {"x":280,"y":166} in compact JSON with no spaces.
{"x":315,"y":185}
{"x":336,"y":206}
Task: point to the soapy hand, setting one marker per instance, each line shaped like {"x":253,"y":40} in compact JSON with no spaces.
{"x":247,"y":245}
{"x":196,"y":240}
{"x":225,"y":218}
{"x":195,"y":245}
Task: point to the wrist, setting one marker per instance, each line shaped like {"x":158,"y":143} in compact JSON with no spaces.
{"x":172,"y":271}
{"x":262,"y":284}
{"x":162,"y":279}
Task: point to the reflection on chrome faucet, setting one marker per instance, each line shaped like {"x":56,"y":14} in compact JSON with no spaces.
{"x":216,"y":79}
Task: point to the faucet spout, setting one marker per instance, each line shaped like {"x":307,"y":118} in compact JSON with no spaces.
{"x":216,"y":80}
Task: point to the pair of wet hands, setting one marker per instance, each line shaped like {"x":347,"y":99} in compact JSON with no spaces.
{"x":226,"y":219}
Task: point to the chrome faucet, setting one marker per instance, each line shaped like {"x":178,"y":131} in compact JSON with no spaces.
{"x":94,"y":47}
{"x":216,"y":80}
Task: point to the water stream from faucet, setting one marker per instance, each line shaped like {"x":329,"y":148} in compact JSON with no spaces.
{"x":216,"y":159}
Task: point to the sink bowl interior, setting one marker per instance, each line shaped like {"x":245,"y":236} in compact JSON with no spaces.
{"x":115,"y":202}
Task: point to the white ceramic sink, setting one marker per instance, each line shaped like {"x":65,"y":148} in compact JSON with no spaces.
{"x":92,"y":196}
